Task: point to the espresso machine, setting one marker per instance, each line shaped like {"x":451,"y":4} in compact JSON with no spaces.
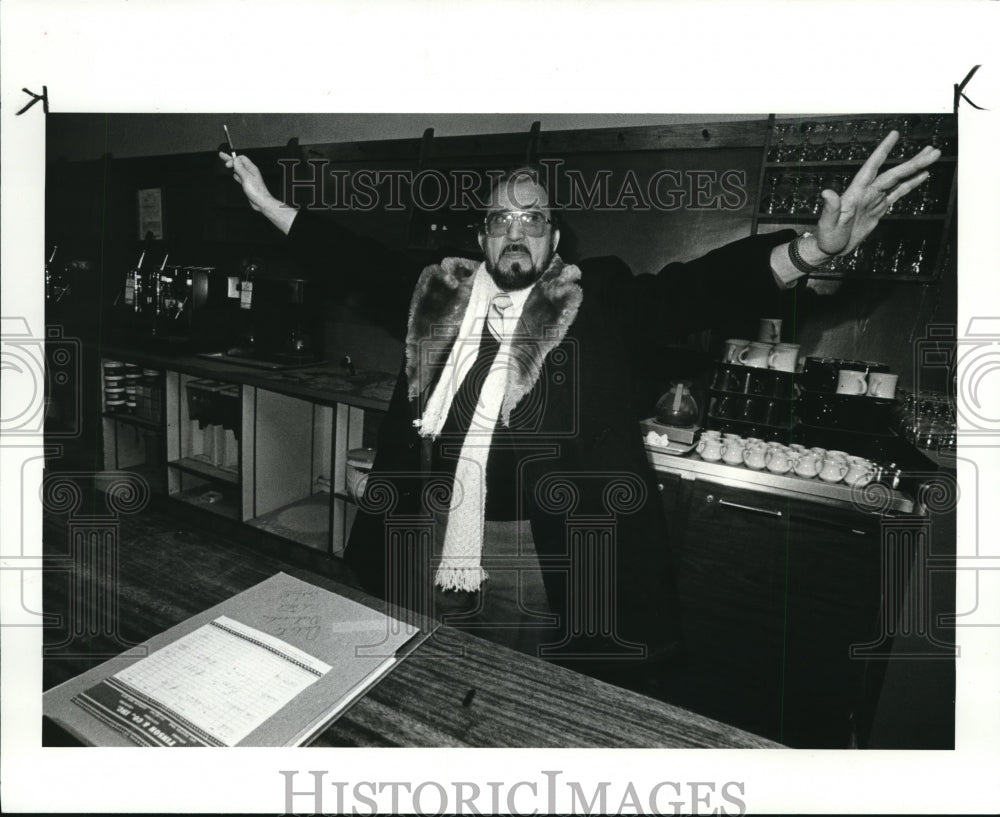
{"x":184,"y":307}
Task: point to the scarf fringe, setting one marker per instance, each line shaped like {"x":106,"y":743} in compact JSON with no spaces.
{"x":461,"y":578}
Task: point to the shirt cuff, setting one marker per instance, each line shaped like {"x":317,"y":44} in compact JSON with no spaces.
{"x":785,"y":274}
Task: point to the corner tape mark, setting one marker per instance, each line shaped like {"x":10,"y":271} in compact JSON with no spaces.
{"x":960,"y":89}
{"x":44,"y":97}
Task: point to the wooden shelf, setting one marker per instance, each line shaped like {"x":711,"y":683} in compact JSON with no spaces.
{"x":227,"y":506}
{"x":305,"y":521}
{"x":833,"y":163}
{"x":865,"y":276}
{"x":810,"y":217}
{"x":205,"y":469}
{"x":153,"y":474}
{"x":132,"y":420}
{"x":758,"y":423}
{"x":935,"y":227}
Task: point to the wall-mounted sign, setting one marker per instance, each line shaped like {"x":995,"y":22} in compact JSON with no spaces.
{"x":151,"y":213}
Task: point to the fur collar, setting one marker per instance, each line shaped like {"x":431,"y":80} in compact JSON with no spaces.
{"x":438,"y":306}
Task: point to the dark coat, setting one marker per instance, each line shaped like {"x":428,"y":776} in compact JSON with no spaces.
{"x":589,"y":491}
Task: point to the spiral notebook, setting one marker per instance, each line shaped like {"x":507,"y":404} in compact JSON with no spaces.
{"x":271,"y":666}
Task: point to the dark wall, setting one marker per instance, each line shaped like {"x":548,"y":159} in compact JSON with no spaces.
{"x":91,"y":213}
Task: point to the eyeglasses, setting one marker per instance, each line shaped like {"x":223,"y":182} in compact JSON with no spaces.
{"x":533,"y":222}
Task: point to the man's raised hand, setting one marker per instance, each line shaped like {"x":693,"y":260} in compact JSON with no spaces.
{"x":849,"y":218}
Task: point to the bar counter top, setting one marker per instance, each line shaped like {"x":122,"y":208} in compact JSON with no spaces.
{"x":484,"y":696}
{"x":327,"y":383}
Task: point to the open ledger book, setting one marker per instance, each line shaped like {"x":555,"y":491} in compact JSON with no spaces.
{"x":272,"y":666}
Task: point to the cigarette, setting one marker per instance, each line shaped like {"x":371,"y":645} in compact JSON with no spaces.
{"x":232,"y":150}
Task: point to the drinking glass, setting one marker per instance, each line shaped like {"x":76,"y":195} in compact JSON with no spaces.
{"x":779,"y":150}
{"x":805,"y":150}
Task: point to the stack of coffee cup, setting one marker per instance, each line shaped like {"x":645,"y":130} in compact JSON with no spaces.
{"x":114,"y":387}
{"x":867,"y":379}
{"x":767,"y":352}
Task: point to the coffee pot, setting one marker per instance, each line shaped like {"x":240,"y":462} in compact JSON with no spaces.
{"x":678,"y":407}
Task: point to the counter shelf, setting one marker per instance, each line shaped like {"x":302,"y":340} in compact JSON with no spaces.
{"x":734,"y":378}
{"x":876,"y":499}
{"x":265,"y":448}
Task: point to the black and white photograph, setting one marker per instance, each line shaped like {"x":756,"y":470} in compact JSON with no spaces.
{"x":388,"y":421}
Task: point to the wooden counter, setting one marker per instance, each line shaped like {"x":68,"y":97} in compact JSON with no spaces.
{"x":326,"y":383}
{"x":486,"y":696}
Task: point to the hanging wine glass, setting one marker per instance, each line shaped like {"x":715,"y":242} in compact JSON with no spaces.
{"x":830,"y":150}
{"x":915,"y":263}
{"x":772,"y":200}
{"x":854,"y":149}
{"x":798,"y":201}
{"x":904,"y":146}
{"x":804,"y":152}
{"x":779,"y":150}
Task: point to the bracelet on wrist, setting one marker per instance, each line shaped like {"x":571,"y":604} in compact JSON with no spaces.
{"x":796,"y":258}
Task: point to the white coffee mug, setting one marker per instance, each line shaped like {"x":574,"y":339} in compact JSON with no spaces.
{"x":882,"y":384}
{"x":732,"y":452}
{"x":777,"y":461}
{"x":770,"y":330}
{"x":784,"y":357}
{"x":755,"y":456}
{"x":710,"y":449}
{"x":834,"y":469}
{"x":755,"y":355}
{"x":850,"y":381}
{"x":860,"y":472}
{"x":733,"y":348}
{"x":808,"y":465}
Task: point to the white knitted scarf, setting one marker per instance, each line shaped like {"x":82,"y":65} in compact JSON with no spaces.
{"x":461,"y":557}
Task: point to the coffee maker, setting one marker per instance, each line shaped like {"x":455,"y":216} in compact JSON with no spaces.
{"x":281,"y":319}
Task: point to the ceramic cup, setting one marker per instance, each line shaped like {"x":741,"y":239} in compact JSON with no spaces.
{"x":770,"y":330}
{"x":784,"y":357}
{"x":808,"y":464}
{"x":882,"y":384}
{"x":732,"y":350}
{"x":710,"y":448}
{"x":732,"y":451}
{"x":850,"y":381}
{"x":860,"y":471}
{"x":778,"y":461}
{"x":755,"y":355}
{"x":755,"y":456}
{"x":834,"y":469}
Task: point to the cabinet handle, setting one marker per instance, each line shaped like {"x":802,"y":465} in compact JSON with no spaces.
{"x":751,"y":508}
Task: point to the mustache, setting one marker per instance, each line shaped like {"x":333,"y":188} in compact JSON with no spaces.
{"x":515,"y":248}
